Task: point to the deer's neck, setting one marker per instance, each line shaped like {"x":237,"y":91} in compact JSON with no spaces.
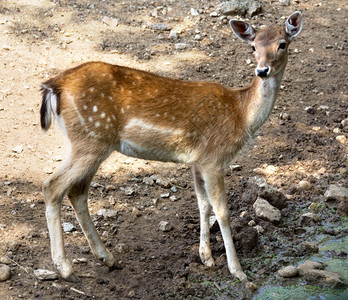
{"x":259,"y":100}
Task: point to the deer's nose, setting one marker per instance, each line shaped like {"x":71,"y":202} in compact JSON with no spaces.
{"x":264,"y":72}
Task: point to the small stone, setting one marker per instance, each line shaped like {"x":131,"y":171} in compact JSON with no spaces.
{"x":121,"y":248}
{"x":5,"y":260}
{"x":165,"y":195}
{"x":174,"y":34}
{"x":305,"y":248}
{"x":180,"y":46}
{"x":5,"y":272}
{"x":159,"y":27}
{"x":214,"y":14}
{"x":173,"y":198}
{"x":136,"y":212}
{"x":235,"y":167}
{"x":68,"y":227}
{"x":110,"y":187}
{"x":251,"y":286}
{"x":252,"y":223}
{"x":165,"y":226}
{"x":131,"y":294}
{"x":288,"y":272}
{"x":112,"y":22}
{"x":165,"y":183}
{"x":6,"y":47}
{"x":344,"y":123}
{"x":129,"y":191}
{"x":284,"y":2}
{"x":244,"y":214}
{"x":307,"y":218}
{"x":198,"y":37}
{"x":12,"y":245}
{"x":174,"y":189}
{"x":148,"y":181}
{"x":336,"y":193}
{"x":336,"y":130}
{"x":43,"y":274}
{"x":259,"y":229}
{"x":194,"y":12}
{"x":342,"y":139}
{"x":263,"y":209}
{"x":310,"y":110}
{"x":107,"y":213}
{"x":18,"y":149}
{"x":304,"y":185}
{"x":324,"y":278}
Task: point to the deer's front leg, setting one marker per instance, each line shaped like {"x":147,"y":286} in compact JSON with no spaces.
{"x":204,"y":213}
{"x":215,"y":189}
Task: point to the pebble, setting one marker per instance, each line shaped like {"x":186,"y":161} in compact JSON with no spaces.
{"x":198,"y":37}
{"x":165,"y":183}
{"x":263,"y":209}
{"x":344,"y":123}
{"x":235,"y":167}
{"x":18,"y":149}
{"x":12,"y":245}
{"x":342,"y":139}
{"x":310,"y":216}
{"x":174,"y":34}
{"x":129,"y":191}
{"x":148,"y":181}
{"x":180,"y":46}
{"x":5,"y":260}
{"x":304,"y":185}
{"x":252,"y":223}
{"x":121,"y":248}
{"x":307,"y":247}
{"x":159,"y":27}
{"x":336,"y":193}
{"x":112,"y":22}
{"x":194,"y":12}
{"x":310,"y":110}
{"x":259,"y":228}
{"x":43,"y":274}
{"x":68,"y":227}
{"x":110,"y":187}
{"x":107,"y":213}
{"x":5,"y":272}
{"x":173,"y":198}
{"x":165,"y":195}
{"x":165,"y":226}
{"x":288,"y":272}
{"x":136,"y":212}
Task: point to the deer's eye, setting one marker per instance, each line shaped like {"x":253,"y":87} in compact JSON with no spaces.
{"x":282,"y":46}
{"x":253,"y":48}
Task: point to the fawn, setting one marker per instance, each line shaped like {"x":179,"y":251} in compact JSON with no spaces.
{"x":103,"y":107}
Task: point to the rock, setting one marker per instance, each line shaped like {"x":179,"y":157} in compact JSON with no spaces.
{"x":110,"y":187}
{"x":173,"y":198}
{"x":274,"y":196}
{"x":336,"y":193}
{"x":174,"y":34}
{"x":252,"y":223}
{"x":12,"y":245}
{"x":5,"y":272}
{"x":18,"y":149}
{"x":159,"y":27}
{"x":107,"y":213}
{"x":310,"y":110}
{"x":121,"y":248}
{"x":68,"y":227}
{"x":180,"y":46}
{"x":304,"y":185}
{"x":165,"y":195}
{"x":324,"y":278}
{"x":263,"y":209}
{"x":235,"y":167}
{"x":305,"y":248}
{"x":259,"y":229}
{"x":284,"y":2}
{"x":194,"y":12}
{"x":165,"y":226}
{"x":308,"y":218}
{"x":310,"y":264}
{"x":344,"y":123}
{"x":342,"y":208}
{"x":288,"y":272}
{"x":128,"y":191}
{"x":148,"y":181}
{"x":136,"y":212}
{"x":112,"y":22}
{"x":5,"y":260}
{"x":198,"y":37}
{"x":214,"y":14}
{"x":43,"y":274}
{"x":342,"y":139}
{"x":165,"y":183}
{"x":239,"y":7}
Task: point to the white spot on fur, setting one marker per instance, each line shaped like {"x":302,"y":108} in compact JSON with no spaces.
{"x":90,"y":119}
{"x":108,"y":119}
{"x":85,"y":107}
{"x":102,"y":115}
{"x":110,"y":98}
{"x":97,"y":124}
{"x":95,"y":108}
{"x":102,"y":95}
{"x":122,"y":110}
{"x":91,"y":89}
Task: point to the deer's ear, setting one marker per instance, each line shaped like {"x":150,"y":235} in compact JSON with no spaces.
{"x":294,"y":25}
{"x":243,"y":30}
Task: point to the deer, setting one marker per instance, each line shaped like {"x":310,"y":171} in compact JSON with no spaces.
{"x":103,"y":108}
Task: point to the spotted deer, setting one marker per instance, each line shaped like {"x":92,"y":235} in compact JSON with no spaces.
{"x":103,"y":108}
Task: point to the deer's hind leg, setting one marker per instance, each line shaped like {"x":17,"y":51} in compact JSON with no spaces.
{"x":79,"y":167}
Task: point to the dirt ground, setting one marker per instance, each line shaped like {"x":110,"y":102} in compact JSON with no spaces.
{"x":298,"y":142}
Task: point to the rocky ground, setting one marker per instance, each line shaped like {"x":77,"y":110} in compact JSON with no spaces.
{"x":146,"y":212}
